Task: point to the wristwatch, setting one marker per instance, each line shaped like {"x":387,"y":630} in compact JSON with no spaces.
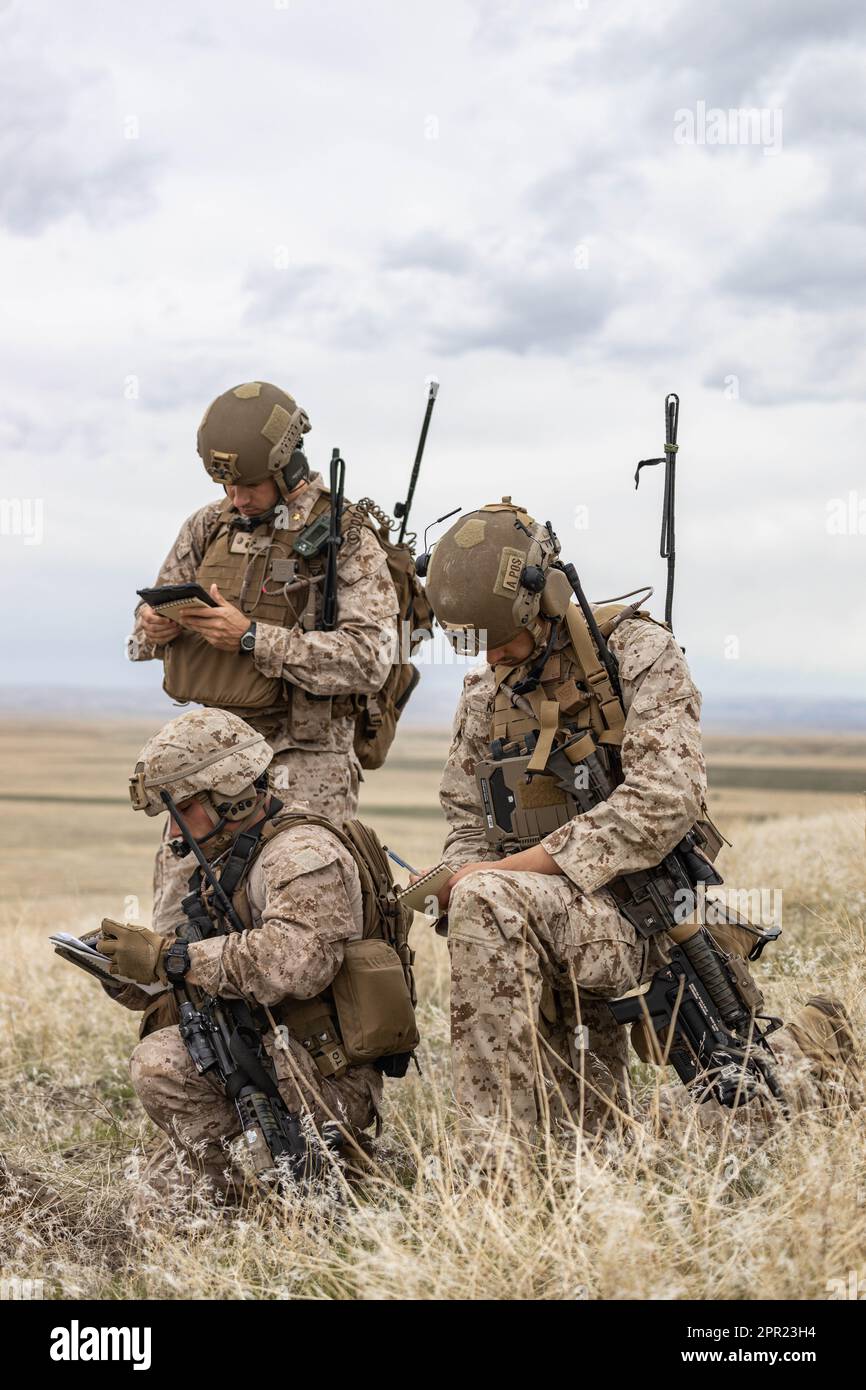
{"x":175,"y":962}
{"x":248,"y":641}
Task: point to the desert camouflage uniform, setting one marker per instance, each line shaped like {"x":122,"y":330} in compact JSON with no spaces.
{"x":304,"y":896}
{"x":533,"y":955}
{"x":323,"y":777}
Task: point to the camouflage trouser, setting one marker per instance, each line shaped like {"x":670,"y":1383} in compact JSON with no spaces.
{"x":326,"y":783}
{"x":196,"y":1115}
{"x":532,"y":959}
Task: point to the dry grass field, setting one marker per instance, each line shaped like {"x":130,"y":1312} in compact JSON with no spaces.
{"x":676,"y":1212}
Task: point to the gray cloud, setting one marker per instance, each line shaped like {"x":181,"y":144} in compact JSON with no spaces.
{"x":63,"y":150}
{"x":453,"y":255}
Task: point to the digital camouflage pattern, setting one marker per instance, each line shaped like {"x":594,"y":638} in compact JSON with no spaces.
{"x":326,"y":784}
{"x":353,"y":659}
{"x":511,"y":934}
{"x":202,"y":750}
{"x":533,"y":954}
{"x":304,"y":900}
{"x":528,"y":951}
{"x":320,"y":774}
{"x":664,"y":772}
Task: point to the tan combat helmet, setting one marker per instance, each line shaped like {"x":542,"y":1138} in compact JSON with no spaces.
{"x":252,"y":433}
{"x":209,"y":755}
{"x":487,"y":577}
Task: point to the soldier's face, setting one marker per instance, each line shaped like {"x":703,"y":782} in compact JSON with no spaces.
{"x":196,"y":818}
{"x":511,"y":653}
{"x":251,"y":499}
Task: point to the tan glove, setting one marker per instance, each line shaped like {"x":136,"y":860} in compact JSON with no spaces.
{"x":135,"y":951}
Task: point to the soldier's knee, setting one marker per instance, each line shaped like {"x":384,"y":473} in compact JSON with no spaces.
{"x":473,"y":919}
{"x":478,"y":892}
{"x":154,"y":1070}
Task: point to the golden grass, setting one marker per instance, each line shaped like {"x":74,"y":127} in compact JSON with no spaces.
{"x":676,"y":1212}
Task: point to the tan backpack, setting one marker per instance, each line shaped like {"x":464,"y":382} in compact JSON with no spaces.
{"x":373,"y":992}
{"x":377,"y":715}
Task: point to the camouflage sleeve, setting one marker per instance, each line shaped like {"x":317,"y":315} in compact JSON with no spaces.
{"x":356,"y":657}
{"x":178,"y":567}
{"x":664,"y":782}
{"x":307,"y":916}
{"x":130,"y":996}
{"x":458,"y":791}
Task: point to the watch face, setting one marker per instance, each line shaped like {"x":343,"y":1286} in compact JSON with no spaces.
{"x":248,"y":641}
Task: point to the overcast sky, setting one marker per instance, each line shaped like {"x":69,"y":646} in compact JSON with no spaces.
{"x":519,"y":196}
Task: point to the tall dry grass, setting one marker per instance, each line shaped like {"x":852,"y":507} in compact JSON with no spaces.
{"x":673,"y":1211}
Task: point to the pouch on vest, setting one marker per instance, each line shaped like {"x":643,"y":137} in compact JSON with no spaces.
{"x":196,"y":671}
{"x":371,"y":1000}
{"x":373,"y":1007}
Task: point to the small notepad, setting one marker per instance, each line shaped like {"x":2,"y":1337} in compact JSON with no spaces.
{"x":418,"y":894}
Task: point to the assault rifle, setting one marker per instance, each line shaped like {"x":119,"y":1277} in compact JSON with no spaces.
{"x":333,"y":543}
{"x":224,"y":1039}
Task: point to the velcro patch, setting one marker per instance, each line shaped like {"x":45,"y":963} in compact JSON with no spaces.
{"x":248,"y":391}
{"x":276,"y":424}
{"x":511,"y":566}
{"x":282,"y":571}
{"x":308,"y":860}
{"x":472,"y":533}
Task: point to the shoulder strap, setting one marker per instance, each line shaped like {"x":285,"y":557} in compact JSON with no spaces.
{"x":285,"y":820}
{"x":596,"y":677}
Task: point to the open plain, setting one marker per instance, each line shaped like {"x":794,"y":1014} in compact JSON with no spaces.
{"x":673,"y":1212}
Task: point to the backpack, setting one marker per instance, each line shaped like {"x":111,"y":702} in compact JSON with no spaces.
{"x":374,"y":991}
{"x":377,"y":715}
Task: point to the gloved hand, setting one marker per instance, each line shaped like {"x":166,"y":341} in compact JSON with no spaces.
{"x":135,"y":951}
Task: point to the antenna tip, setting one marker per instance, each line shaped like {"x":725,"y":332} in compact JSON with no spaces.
{"x":432,"y":384}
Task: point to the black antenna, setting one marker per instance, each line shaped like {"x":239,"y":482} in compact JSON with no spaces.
{"x":667,"y":545}
{"x":402,"y":509}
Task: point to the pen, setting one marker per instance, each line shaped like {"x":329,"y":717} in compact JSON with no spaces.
{"x":397,"y":860}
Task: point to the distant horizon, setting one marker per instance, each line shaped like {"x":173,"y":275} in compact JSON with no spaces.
{"x":758,"y":713}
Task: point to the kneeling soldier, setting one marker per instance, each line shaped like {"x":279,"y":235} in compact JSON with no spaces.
{"x":574,"y":789}
{"x":307,"y":972}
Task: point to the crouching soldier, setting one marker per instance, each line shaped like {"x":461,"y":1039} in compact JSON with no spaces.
{"x":314,"y":966}
{"x":574,"y":789}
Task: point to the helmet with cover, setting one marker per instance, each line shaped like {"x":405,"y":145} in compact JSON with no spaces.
{"x":487,"y":577}
{"x":213,"y":757}
{"x":253,"y":432}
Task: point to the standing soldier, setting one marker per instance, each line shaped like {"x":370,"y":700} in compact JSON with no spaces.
{"x":574,"y":774}
{"x":261,"y":653}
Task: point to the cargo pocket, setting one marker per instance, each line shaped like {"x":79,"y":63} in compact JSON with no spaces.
{"x":310,"y":718}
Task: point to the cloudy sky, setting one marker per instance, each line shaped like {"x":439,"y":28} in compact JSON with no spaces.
{"x":532,"y":199}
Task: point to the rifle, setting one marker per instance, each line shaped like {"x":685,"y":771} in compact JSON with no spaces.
{"x":401,"y":509}
{"x":333,"y":543}
{"x":224,"y":1038}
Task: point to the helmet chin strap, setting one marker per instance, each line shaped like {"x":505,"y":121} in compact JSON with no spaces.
{"x":249,"y":523}
{"x":223,"y":815}
{"x":541,"y":651}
